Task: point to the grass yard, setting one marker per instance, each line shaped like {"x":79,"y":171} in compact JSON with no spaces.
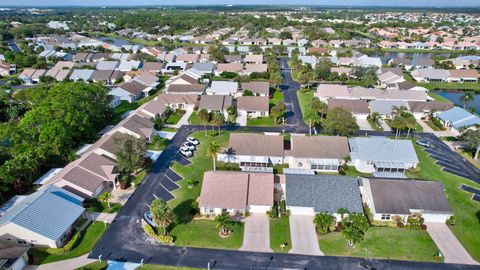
{"x":375,"y":125}
{"x":94,"y":266}
{"x":194,"y":120}
{"x":465,"y":210}
{"x":84,"y":245}
{"x":158,"y":143}
{"x":432,"y":125}
{"x":305,"y":100}
{"x":279,"y":234}
{"x":174,"y":118}
{"x":99,"y":206}
{"x":351,"y":171}
{"x":262,"y":122}
{"x":385,"y":243}
{"x":137,"y":180}
{"x":203,"y":233}
{"x":276,"y":98}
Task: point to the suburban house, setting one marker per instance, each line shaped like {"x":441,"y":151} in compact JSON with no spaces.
{"x":188,"y":58}
{"x":13,"y":256}
{"x":458,"y":119}
{"x":204,"y":68}
{"x":385,"y":108}
{"x":423,"y":109}
{"x":178,"y":101}
{"x":311,"y":194}
{"x":106,"y":76}
{"x":257,"y":68}
{"x":422,"y":63}
{"x":229,"y":67}
{"x":147,"y":79}
{"x":31,"y":76}
{"x":253,"y":106}
{"x":43,"y":218}
{"x":236,"y":192}
{"x":430,"y":75}
{"x":137,"y":126}
{"x":358,"y":107}
{"x":151,"y":67}
{"x":154,"y":108}
{"x":253,"y":151}
{"x":253,"y":59}
{"x":390,"y":75}
{"x":327,"y":91}
{"x":382,"y":155}
{"x":222,"y":88}
{"x":216,"y":104}
{"x":81,"y":75}
{"x":463,"y":75}
{"x":172,"y":68}
{"x":317,"y":153}
{"x":108,"y":146}
{"x":107,"y":65}
{"x":233,"y":58}
{"x":257,"y":88}
{"x":387,"y":198}
{"x":129,"y":91}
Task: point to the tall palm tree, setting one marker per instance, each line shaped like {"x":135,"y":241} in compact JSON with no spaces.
{"x":223,"y":222}
{"x":410,"y":123}
{"x":91,"y":211}
{"x":161,"y":214}
{"x":466,"y":98}
{"x":105,"y":197}
{"x":204,"y":117}
{"x":212,"y":151}
{"x":399,"y":110}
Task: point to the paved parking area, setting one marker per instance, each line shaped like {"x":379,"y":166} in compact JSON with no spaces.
{"x":256,"y":236}
{"x":304,"y":237}
{"x":182,"y":160}
{"x":448,"y":244}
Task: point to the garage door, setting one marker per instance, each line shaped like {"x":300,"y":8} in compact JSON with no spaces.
{"x":295,"y":210}
{"x":435,"y":217}
{"x":258,"y":209}
{"x":19,"y":264}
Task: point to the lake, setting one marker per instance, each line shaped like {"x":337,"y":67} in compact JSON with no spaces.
{"x":454,"y":96}
{"x":385,"y":56}
{"x":115,"y":41}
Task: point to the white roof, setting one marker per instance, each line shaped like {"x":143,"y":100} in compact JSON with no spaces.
{"x":223,"y":88}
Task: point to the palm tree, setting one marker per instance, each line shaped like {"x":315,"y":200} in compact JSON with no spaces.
{"x":410,"y":123}
{"x":223,"y":222}
{"x":212,"y":151}
{"x":204,"y":117}
{"x":91,"y":212}
{"x":342,"y":212}
{"x":466,"y":98}
{"x":374,"y":117}
{"x":105,"y":197}
{"x":323,"y":221}
{"x":399,"y":110}
{"x":162,"y":214}
{"x":312,"y":118}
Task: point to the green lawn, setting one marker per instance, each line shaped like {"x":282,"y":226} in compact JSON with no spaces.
{"x":158,"y":144}
{"x":137,"y":180}
{"x":193,"y":119}
{"x":432,"y":125}
{"x":279,"y":234}
{"x":375,"y":125}
{"x":173,"y":118}
{"x":451,"y":86}
{"x":465,"y":210}
{"x":203,"y":233}
{"x":85,"y":244}
{"x":103,"y":206}
{"x":305,"y":100}
{"x":261,"y":121}
{"x":168,"y":129}
{"x":385,"y":243}
{"x":351,"y":171}
{"x":94,"y":266}
{"x":276,"y":98}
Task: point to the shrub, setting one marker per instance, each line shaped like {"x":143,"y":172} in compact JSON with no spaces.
{"x":67,"y":248}
{"x":164,"y":239}
{"x":228,"y":74}
{"x":400,"y":224}
{"x":423,"y":226}
{"x":283,"y":206}
{"x":451,"y":221}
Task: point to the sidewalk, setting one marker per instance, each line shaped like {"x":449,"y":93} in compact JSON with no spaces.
{"x":441,"y":133}
{"x":66,"y":264}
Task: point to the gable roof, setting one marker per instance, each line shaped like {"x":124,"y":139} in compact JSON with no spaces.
{"x":319,"y":147}
{"x":133,"y":87}
{"x":139,"y":125}
{"x":399,"y":196}
{"x":257,"y":87}
{"x":355,"y":106}
{"x":216,"y":103}
{"x":223,"y":88}
{"x":49,"y":212}
{"x":325,"y":193}
{"x":382,"y":149}
{"x":253,"y":103}
{"x":237,"y":190}
{"x":426,"y":106}
{"x":459,"y":117}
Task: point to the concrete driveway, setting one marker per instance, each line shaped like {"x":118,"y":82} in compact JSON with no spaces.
{"x":304,"y":237}
{"x":363,"y":124}
{"x":448,"y":244}
{"x":256,"y":236}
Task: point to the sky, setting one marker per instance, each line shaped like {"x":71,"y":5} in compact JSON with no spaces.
{"x":403,"y":3}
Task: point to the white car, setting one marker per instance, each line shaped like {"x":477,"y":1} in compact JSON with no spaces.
{"x":186,"y":152}
{"x":147,"y":216}
{"x":188,"y":145}
{"x":193,"y":141}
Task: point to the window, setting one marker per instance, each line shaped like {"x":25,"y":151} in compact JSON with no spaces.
{"x":21,"y":242}
{"x":385,"y":217}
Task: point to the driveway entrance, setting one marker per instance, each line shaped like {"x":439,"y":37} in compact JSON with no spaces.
{"x":304,"y":237}
{"x":256,"y":236}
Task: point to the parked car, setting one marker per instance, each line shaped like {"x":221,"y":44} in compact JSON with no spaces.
{"x":190,"y":146}
{"x":426,"y":144}
{"x":186,"y":152}
{"x":147,"y":216}
{"x":193,"y":141}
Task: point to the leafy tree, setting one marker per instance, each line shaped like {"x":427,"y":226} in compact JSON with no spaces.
{"x":204,"y":117}
{"x":322,"y":70}
{"x":158,"y":123}
{"x":340,"y":121}
{"x":217,"y":52}
{"x":247,"y":93}
{"x":223,"y":222}
{"x":255,"y":49}
{"x":162,"y":214}
{"x":285,"y":35}
{"x":319,"y":107}
{"x":106,"y":197}
{"x":212,"y":151}
{"x":218,"y":119}
{"x":278,"y":110}
{"x":312,"y":119}
{"x":354,"y":228}
{"x":472,"y":138}
{"x":323,"y":221}
{"x":130,"y":153}
{"x":342,"y":212}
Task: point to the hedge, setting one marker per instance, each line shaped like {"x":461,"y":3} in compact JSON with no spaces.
{"x":164,"y":239}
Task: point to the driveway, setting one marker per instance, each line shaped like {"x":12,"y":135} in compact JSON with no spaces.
{"x":304,"y":237}
{"x":363,"y":124}
{"x":448,"y":244}
{"x":384,"y":125}
{"x":256,"y":236}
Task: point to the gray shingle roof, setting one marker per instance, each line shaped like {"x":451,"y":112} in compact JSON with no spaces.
{"x":48,"y":212}
{"x":378,"y":149}
{"x":325,"y":193}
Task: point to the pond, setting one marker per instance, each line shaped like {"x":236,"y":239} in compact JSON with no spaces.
{"x":115,"y":41}
{"x":454,"y":96}
{"x":385,"y":56}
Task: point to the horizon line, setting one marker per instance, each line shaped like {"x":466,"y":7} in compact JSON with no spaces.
{"x":235,"y":5}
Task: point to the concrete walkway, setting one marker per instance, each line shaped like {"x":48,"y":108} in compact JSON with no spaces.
{"x":448,"y":244}
{"x":66,"y":264}
{"x":105,"y":217}
{"x":440,"y":133}
{"x":256,"y":236}
{"x":384,"y":125}
{"x":304,"y":236}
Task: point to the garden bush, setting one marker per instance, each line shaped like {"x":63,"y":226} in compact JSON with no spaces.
{"x":164,"y":239}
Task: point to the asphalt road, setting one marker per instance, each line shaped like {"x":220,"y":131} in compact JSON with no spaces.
{"x":289,"y":88}
{"x":125,"y":240}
